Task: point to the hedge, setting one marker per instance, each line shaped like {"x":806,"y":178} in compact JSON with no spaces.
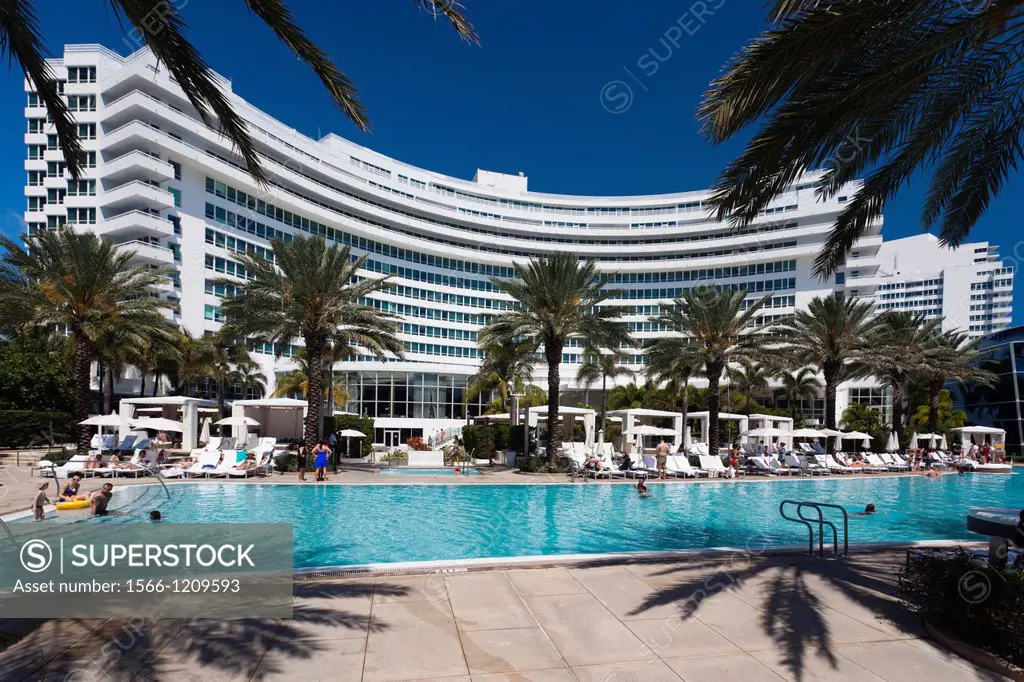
{"x":960,"y":593}
{"x":341,"y":422}
{"x":22,"y":428}
{"x":482,"y":440}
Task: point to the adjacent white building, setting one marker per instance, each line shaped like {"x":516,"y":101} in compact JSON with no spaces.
{"x":969,"y":288}
{"x":172,"y":189}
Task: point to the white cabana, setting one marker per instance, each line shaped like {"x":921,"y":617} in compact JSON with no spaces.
{"x":766,"y":432}
{"x":648,"y":430}
{"x":979,"y":434}
{"x":629,"y":421}
{"x":278,"y":417}
{"x":566,"y":414}
{"x":170,"y":406}
{"x":704,"y":419}
{"x":781,"y":428}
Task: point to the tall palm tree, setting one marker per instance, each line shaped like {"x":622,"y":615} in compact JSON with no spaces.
{"x":160,"y":26}
{"x":231,"y":363}
{"x":82,"y":284}
{"x":896,"y":88}
{"x":557,"y":298}
{"x":507,"y":367}
{"x":159,"y":357}
{"x":751,"y":379}
{"x":802,"y":384}
{"x":195,"y":362}
{"x":600,"y":366}
{"x":249,"y":379}
{"x":950,"y":356}
{"x":830,"y":334}
{"x":310,"y":291}
{"x":297,"y":381}
{"x":897,"y":353}
{"x":719,"y":326}
{"x":672,"y":360}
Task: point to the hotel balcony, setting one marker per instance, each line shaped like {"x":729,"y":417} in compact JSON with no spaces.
{"x":136,"y":165}
{"x":136,"y":194}
{"x":135,"y":224}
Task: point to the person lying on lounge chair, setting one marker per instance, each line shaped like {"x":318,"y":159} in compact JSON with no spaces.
{"x":593,"y":463}
{"x":248,"y":463}
{"x":220,"y":460}
{"x":626,"y":464}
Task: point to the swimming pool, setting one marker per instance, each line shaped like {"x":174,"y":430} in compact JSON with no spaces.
{"x":358,"y":524}
{"x":403,"y":471}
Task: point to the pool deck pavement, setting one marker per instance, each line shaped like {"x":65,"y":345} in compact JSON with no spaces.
{"x":741,"y":618}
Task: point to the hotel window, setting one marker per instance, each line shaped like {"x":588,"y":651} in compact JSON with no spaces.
{"x":87,"y":131}
{"x":81,"y":102}
{"x":176,"y":193}
{"x":81,"y":188}
{"x":81,"y":216}
{"x":176,"y":222}
{"x":34,"y":100}
{"x":54,"y":169}
{"x":55,"y":196}
{"x":35,"y":178}
{"x":840,"y":278}
{"x":37,"y":125}
{"x":87,"y":159}
{"x":51,"y":142}
{"x":54,"y":221}
{"x":36,"y":151}
{"x":81,"y":74}
{"x":36,"y":203}
{"x":177,"y":169}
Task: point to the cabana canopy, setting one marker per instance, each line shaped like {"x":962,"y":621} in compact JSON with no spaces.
{"x":170,"y":406}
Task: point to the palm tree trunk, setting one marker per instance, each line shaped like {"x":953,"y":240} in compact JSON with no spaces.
{"x":686,"y":403}
{"x":330,"y":393}
{"x":553,"y":355}
{"x":897,"y":410}
{"x":81,"y":367}
{"x":142,"y":383}
{"x":714,"y":377}
{"x":604,"y":399}
{"x":221,"y":398}
{"x":314,"y":393}
{"x":108,"y":392}
{"x":934,"y":389}
{"x":156,"y":382}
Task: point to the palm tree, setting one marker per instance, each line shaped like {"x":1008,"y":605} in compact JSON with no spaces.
{"x":950,"y":356}
{"x":830,"y":334}
{"x":310,"y":291}
{"x":82,"y":284}
{"x":507,"y":367}
{"x":195,"y":362}
{"x":628,"y":396}
{"x":718,"y":324}
{"x":751,"y":379}
{"x":893,"y":87}
{"x":160,"y":26}
{"x":671,"y":360}
{"x":557,"y":298}
{"x":249,"y":379}
{"x":297,"y":381}
{"x":802,"y":384}
{"x":897,"y":353}
{"x":599,"y":366}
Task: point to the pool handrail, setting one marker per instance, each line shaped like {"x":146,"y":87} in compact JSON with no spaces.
{"x":821,"y":522}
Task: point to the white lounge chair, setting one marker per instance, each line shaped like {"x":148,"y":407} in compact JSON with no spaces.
{"x":680,"y":466}
{"x":205,"y":463}
{"x":804,"y":465}
{"x":877,"y":461}
{"x":713,"y":464}
{"x":834,"y":466}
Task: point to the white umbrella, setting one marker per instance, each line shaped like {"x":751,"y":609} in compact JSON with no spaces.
{"x":158,"y":424}
{"x":913,"y":440}
{"x":648,"y":430}
{"x":237,"y":421}
{"x":942,"y":443}
{"x":204,"y":432}
{"x":892,"y":445}
{"x":769,"y":432}
{"x":112,"y":419}
{"x":806,"y":433}
{"x":687,"y":437}
{"x":350,"y":433}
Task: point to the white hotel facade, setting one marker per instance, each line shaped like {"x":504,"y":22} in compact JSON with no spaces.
{"x":170,"y":188}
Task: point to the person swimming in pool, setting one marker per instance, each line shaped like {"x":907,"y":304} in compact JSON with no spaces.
{"x":641,"y":487}
{"x":868,"y":511}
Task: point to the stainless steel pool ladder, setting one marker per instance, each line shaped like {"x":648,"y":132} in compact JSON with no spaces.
{"x":820,"y":521}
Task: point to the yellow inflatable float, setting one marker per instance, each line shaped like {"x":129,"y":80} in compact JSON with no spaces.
{"x":73,"y":504}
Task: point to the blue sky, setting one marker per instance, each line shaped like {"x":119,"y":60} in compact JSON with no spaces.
{"x":545,"y":94}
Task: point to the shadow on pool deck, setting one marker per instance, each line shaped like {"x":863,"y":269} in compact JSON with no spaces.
{"x":199,"y":649}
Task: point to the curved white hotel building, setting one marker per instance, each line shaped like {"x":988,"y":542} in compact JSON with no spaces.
{"x":173,"y":190}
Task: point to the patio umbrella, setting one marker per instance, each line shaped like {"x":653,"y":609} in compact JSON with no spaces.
{"x":942,"y":443}
{"x":350,"y":433}
{"x":204,"y":432}
{"x":806,"y":433}
{"x":892,"y":445}
{"x":112,"y":419}
{"x":239,"y":425}
{"x":158,"y":424}
{"x":687,"y":438}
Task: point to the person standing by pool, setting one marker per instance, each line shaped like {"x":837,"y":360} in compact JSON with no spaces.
{"x":300,"y":461}
{"x":661,"y":455}
{"x":40,"y":501}
{"x":320,"y":460}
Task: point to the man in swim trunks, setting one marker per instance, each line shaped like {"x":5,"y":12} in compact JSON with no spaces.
{"x":661,"y":455}
{"x":100,"y":499}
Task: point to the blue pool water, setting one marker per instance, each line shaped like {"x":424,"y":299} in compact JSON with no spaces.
{"x":427,"y":472}
{"x":345,"y":525}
